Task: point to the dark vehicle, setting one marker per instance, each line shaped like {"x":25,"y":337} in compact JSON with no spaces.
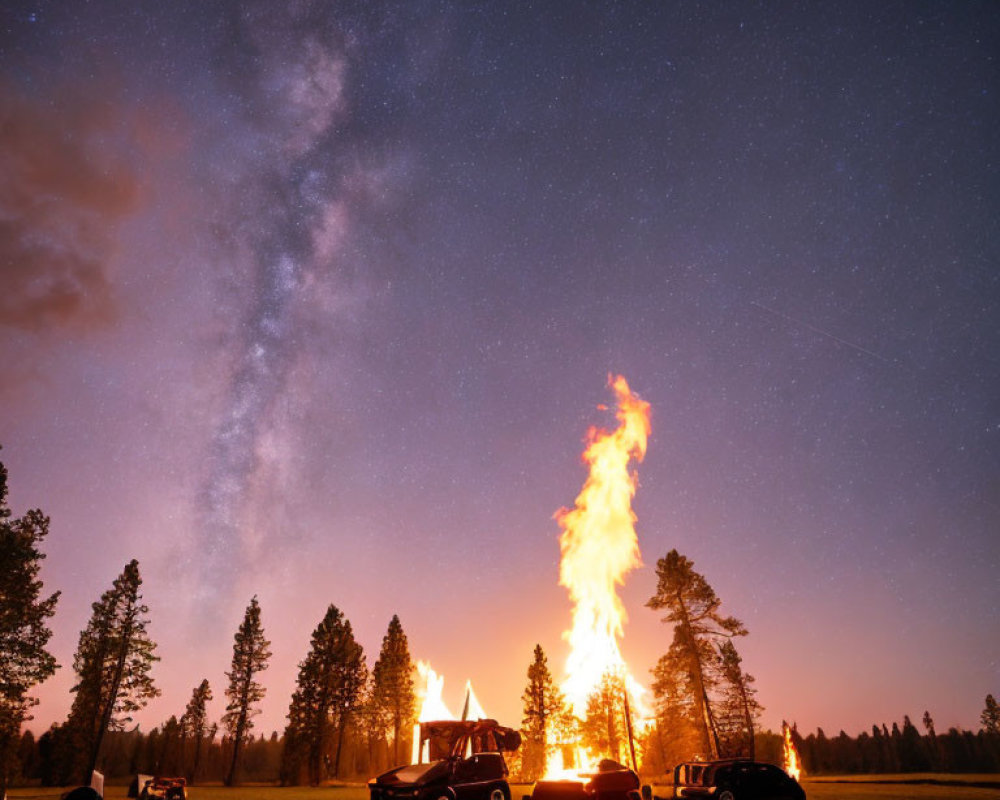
{"x":612,"y":781}
{"x":736,"y":779}
{"x":164,"y":789}
{"x":459,"y":761}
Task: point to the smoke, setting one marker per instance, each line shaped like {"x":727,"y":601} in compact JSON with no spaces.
{"x":63,"y":191}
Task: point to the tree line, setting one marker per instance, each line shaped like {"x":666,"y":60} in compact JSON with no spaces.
{"x":905,"y":748}
{"x":346,"y":721}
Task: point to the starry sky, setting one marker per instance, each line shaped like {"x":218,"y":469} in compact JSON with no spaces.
{"x":316,"y":301}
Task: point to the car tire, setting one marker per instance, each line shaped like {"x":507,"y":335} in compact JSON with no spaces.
{"x":499,"y":792}
{"x":726,"y":795}
{"x":447,"y":793}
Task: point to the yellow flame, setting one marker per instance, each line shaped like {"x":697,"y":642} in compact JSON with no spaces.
{"x":793,"y":764}
{"x":599,"y":547}
{"x":432,"y":707}
{"x":429,"y":691}
{"x":474,"y":711}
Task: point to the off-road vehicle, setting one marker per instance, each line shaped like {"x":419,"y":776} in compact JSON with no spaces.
{"x":458,"y":761}
{"x":735,"y":779}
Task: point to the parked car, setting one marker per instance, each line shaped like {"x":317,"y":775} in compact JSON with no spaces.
{"x":458,"y":761}
{"x":612,"y":781}
{"x":735,"y":779}
{"x":159,"y":788}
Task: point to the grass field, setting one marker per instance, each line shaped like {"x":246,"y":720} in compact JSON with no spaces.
{"x":850,"y":787}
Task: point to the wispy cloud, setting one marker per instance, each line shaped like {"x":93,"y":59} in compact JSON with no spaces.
{"x":63,"y":191}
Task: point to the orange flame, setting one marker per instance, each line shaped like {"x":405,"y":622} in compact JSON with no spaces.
{"x":432,"y":705}
{"x":793,"y":764}
{"x":599,"y":547}
{"x":429,"y":692}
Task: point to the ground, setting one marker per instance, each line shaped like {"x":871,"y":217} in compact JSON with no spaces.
{"x":856,"y":787}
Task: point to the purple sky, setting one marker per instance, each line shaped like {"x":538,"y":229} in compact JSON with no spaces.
{"x":317,"y":301}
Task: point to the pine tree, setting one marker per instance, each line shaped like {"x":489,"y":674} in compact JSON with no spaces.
{"x":738,"y":707}
{"x":693,"y":610}
{"x":329,"y":693}
{"x":990,"y":718}
{"x":677,"y":733}
{"x":603,"y":730}
{"x":250,"y":655}
{"x":167,"y":757}
{"x":24,"y":661}
{"x":393,"y":699}
{"x":194,"y":723}
{"x":544,"y":710}
{"x":112,"y":662}
{"x":932,"y":746}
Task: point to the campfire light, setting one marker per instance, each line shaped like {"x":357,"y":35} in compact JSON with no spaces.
{"x":472,"y":710}
{"x":793,"y":764}
{"x":430,"y":687}
{"x":599,"y":548}
{"x":432,"y":705}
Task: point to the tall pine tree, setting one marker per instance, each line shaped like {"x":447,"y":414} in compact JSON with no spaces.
{"x":544,"y":710}
{"x":738,"y":706}
{"x":393,"y":700}
{"x":990,"y":718}
{"x":328,"y":694}
{"x":693,"y":609}
{"x":24,"y":661}
{"x":112,"y":662}
{"x":250,"y":655}
{"x":194,"y":723}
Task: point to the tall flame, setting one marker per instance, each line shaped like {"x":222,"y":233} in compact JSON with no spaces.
{"x":599,"y":547}
{"x":793,"y":764}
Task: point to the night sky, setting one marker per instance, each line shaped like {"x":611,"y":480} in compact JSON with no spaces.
{"x":317,"y":301}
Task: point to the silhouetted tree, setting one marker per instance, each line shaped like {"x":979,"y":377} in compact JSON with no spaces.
{"x":328,"y":694}
{"x":990,"y":718}
{"x":693,"y":610}
{"x":168,"y":757}
{"x":112,"y":662}
{"x":194,"y":723}
{"x":738,"y":707}
{"x":393,"y":699}
{"x":27,"y":756}
{"x":544,"y":709}
{"x":912,"y":755}
{"x":250,"y":655}
{"x":24,"y":661}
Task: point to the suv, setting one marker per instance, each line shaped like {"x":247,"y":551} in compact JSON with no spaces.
{"x":736,"y":779}
{"x":464,"y":761}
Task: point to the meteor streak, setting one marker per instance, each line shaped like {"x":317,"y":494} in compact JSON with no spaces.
{"x":820,"y":331}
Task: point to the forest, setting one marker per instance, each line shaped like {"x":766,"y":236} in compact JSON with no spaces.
{"x":347,"y":721}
